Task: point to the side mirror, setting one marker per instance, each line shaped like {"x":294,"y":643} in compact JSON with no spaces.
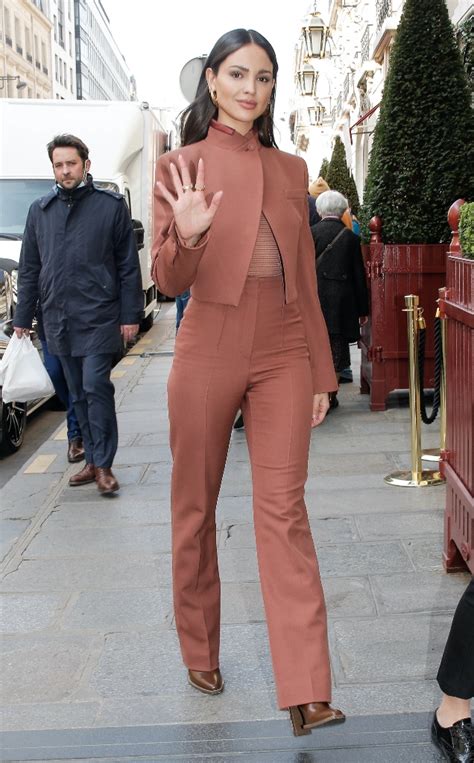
{"x":139,"y":232}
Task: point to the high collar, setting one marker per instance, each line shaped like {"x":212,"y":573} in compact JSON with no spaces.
{"x":225,"y":137}
{"x":331,"y":220}
{"x":76,"y":193}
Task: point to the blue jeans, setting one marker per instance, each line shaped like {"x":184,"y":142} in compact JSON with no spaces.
{"x":181,"y":302}
{"x":55,"y":370}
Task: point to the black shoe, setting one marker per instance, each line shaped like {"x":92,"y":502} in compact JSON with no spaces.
{"x":456,"y":742}
{"x":345,"y":380}
{"x":239,"y":422}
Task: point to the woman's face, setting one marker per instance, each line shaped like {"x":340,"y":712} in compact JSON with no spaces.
{"x":243,"y":87}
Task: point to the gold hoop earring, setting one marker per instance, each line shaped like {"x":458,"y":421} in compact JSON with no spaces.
{"x":213,"y":97}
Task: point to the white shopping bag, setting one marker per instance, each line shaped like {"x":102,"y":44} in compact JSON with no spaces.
{"x":23,"y":373}
{"x":6,"y":355}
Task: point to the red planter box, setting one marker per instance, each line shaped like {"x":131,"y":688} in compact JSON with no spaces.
{"x":393,"y":271}
{"x":457,"y":465}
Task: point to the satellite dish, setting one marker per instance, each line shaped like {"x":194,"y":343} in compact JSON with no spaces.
{"x":189,"y":77}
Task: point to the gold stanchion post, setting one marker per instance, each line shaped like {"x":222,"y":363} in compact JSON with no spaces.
{"x":417,"y":477}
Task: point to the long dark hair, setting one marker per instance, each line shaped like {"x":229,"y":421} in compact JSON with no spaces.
{"x":196,"y":117}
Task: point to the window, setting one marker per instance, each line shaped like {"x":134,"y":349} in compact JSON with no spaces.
{"x":55,"y":24}
{"x":56,"y":74}
{"x":18,"y":38}
{"x":37,"y":53}
{"x":65,"y":74}
{"x":8,"y":29}
{"x":61,"y":23}
{"x":44,"y":59}
{"x":28,"y":45}
{"x":70,"y":44}
{"x":71,"y":83}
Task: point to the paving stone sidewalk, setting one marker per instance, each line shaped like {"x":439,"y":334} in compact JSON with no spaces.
{"x":89,"y":640}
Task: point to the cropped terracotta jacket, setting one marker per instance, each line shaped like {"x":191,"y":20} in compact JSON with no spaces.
{"x":254,"y":179}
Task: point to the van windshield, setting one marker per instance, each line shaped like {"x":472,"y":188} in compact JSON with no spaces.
{"x":16,"y":196}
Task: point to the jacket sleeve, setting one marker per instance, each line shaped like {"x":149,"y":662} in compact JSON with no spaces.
{"x":322,"y":368}
{"x":360,"y":281}
{"x":128,"y":269}
{"x":174,"y":265}
{"x":28,"y":275}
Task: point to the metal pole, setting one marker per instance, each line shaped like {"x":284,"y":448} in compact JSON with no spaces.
{"x":416,"y":477}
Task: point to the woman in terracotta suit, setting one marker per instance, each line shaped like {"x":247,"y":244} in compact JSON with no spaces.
{"x":232,"y":223}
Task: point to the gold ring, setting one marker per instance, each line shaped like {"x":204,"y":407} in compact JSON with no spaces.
{"x":187,"y":188}
{"x":199,"y":188}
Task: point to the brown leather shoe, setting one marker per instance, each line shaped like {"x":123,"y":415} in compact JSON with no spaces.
{"x":207,"y":681}
{"x":314,"y":714}
{"x":86,"y":475}
{"x":106,"y":482}
{"x":75,"y":450}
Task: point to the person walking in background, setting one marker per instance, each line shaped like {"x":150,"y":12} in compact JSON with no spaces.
{"x":181,"y":303}
{"x":79,"y":257}
{"x":342,"y":286}
{"x":452,"y":731}
{"x":313,"y":215}
{"x":316,"y":188}
{"x":231,"y":222}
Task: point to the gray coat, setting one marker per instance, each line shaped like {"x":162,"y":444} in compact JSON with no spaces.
{"x":79,"y":259}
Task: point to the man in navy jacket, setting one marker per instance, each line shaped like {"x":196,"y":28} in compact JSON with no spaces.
{"x":79,"y":259}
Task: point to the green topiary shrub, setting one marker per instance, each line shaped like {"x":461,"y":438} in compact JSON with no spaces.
{"x":422,"y":155}
{"x":466,"y":230}
{"x":324,"y":169}
{"x":339,"y":178}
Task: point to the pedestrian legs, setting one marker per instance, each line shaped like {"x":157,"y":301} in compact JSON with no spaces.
{"x":55,"y":370}
{"x":456,"y":671}
{"x":277,"y":412}
{"x":92,"y":392}
{"x":202,"y":405}
{"x":253,"y":356}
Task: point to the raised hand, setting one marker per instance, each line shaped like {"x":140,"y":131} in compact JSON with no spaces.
{"x":192,"y":214}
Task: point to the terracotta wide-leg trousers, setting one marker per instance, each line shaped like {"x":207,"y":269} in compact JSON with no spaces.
{"x":253,"y":356}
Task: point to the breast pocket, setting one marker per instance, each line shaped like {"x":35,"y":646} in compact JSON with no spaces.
{"x":295,"y":193}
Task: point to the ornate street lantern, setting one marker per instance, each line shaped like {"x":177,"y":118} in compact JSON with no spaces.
{"x":307,"y":79}
{"x":316,"y":114}
{"x":315,"y":33}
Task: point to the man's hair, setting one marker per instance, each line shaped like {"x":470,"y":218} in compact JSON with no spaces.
{"x":68,"y":141}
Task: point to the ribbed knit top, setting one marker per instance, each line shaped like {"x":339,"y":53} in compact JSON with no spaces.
{"x":266,"y":260}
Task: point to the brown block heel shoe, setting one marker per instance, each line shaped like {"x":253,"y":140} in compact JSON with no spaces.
{"x":207,"y":681}
{"x":84,"y":477}
{"x":304,"y":718}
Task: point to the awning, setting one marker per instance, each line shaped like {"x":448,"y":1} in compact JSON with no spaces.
{"x":364,"y":117}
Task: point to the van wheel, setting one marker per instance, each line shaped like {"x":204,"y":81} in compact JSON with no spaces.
{"x":13,"y":427}
{"x":147,"y":323}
